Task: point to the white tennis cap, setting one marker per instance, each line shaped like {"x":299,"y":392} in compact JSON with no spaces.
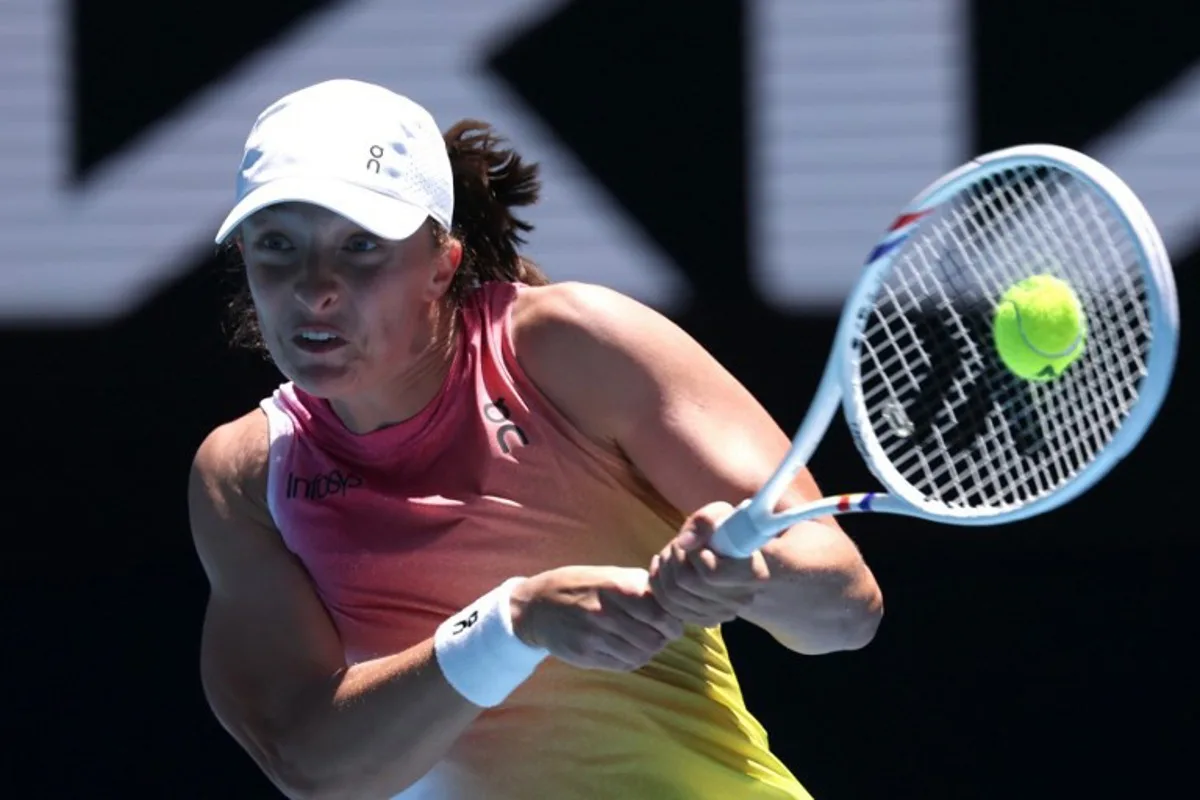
{"x":357,"y":149}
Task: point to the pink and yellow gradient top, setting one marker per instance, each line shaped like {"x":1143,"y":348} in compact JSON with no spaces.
{"x":402,"y":527}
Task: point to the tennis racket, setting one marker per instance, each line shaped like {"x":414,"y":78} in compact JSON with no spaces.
{"x":947,"y":430}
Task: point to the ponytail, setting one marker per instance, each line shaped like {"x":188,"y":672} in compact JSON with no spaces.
{"x":489,"y":182}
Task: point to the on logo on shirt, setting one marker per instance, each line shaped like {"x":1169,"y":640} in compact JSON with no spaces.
{"x":508,"y":432}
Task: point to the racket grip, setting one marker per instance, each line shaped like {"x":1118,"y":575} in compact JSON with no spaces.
{"x":737,"y":536}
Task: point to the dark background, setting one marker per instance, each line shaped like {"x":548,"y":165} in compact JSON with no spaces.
{"x":1053,"y":658}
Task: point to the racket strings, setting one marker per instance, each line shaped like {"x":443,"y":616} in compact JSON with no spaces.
{"x":1037,"y":227}
{"x":1040,"y":226}
{"x":1086,"y":247}
{"x":1122,"y":350}
{"x":953,"y":422}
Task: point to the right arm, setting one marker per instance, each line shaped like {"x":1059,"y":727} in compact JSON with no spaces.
{"x":272,"y":664}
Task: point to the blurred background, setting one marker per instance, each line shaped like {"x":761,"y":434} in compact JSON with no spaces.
{"x":727,"y":162}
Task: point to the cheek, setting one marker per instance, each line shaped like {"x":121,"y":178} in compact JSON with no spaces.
{"x":266,"y":295}
{"x":390,"y":305}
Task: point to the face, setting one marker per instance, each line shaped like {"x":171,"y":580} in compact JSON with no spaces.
{"x":342,"y":311}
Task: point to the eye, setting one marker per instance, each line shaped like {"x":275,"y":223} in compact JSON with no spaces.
{"x":361,"y":244}
{"x":275,"y":242}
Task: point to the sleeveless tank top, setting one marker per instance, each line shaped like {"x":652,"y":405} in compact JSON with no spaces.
{"x":403,"y":526}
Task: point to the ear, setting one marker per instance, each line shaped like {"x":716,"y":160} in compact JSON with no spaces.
{"x":446,"y":260}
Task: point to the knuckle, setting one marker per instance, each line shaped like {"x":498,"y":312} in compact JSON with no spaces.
{"x":669,"y":607}
{"x":658,"y":635}
{"x":712,"y":513}
{"x":646,"y":655}
{"x":685,"y":616}
{"x":668,"y":604}
{"x":592,"y":642}
{"x":662,"y":637}
{"x":688,"y":579}
{"x":668,"y":584}
{"x":719,"y":616}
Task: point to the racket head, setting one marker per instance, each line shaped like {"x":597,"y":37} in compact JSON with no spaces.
{"x":1080,"y":424}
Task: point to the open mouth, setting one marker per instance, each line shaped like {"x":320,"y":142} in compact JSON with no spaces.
{"x":317,"y":341}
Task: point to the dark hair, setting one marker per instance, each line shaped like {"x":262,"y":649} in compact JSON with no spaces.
{"x":490,"y":181}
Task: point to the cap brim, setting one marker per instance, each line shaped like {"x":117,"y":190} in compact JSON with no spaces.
{"x":380,"y":214}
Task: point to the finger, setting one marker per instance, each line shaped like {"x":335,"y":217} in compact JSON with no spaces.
{"x":693,"y":575}
{"x":705,"y":616}
{"x":632,"y":580}
{"x":677,"y":602}
{"x":644,"y":630}
{"x":712,"y":574}
{"x":719,"y":598}
{"x":691,"y":608}
{"x":605,"y":645}
{"x":699,"y":527}
{"x":679,"y":580}
{"x":646,"y":610}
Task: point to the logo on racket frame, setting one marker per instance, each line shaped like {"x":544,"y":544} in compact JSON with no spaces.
{"x":904,"y":222}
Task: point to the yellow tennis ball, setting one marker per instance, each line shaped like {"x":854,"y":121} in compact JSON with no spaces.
{"x":1039,"y":328}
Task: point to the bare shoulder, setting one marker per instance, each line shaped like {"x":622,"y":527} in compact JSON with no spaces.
{"x":572,"y":327}
{"x":555,"y":331}
{"x":233,"y":459}
{"x":582,"y":319}
{"x":227,"y":499}
{"x":547,"y":312}
{"x":600,"y":355}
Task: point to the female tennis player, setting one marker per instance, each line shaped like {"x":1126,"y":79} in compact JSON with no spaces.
{"x":460,"y":552}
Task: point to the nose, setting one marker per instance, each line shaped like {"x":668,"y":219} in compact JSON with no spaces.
{"x":317,"y":289}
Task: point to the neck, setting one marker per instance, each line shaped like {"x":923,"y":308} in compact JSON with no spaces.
{"x":409,"y":392}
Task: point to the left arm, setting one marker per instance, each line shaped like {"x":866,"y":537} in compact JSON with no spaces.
{"x":624,"y":373}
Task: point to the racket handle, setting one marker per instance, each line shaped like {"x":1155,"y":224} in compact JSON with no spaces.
{"x":738,"y":536}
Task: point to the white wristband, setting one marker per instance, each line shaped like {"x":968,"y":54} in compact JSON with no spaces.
{"x":478,"y":652}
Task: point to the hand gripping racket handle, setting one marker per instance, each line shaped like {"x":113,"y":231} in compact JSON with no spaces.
{"x":738,"y":536}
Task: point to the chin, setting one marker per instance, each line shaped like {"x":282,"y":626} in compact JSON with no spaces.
{"x":327,"y":381}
